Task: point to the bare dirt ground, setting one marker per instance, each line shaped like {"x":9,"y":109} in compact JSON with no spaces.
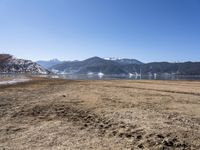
{"x":100,"y":115}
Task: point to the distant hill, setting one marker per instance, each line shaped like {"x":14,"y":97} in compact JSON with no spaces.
{"x":186,"y":68}
{"x":126,"y":66}
{"x":94,"y":64}
{"x":10,"y":64}
{"x":48,"y":64}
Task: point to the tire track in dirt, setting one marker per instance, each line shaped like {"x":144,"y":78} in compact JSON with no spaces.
{"x":170,"y":83}
{"x":94,"y":123}
{"x":88,"y":120}
{"x":167,"y":91}
{"x":170,"y":119}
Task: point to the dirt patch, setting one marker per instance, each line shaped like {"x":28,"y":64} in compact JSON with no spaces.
{"x":87,"y":120}
{"x":61,"y":114}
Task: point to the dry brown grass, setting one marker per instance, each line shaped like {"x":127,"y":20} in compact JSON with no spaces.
{"x":64,"y":114}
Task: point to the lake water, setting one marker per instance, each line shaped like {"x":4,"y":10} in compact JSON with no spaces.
{"x":123,"y":77}
{"x":4,"y":77}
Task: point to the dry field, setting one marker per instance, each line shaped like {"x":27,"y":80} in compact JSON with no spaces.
{"x":59,"y":114}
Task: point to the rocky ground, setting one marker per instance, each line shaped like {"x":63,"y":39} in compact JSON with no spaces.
{"x":100,"y":115}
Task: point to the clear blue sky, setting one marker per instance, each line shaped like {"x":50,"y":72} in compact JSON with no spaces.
{"x":148,"y":30}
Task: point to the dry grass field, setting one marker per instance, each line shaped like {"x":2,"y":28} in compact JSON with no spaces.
{"x":59,"y":114}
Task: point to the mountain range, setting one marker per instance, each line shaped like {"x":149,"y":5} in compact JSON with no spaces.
{"x":112,"y":66}
{"x":96,"y":65}
{"x":47,"y":64}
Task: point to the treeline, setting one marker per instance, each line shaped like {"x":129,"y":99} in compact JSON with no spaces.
{"x":187,"y":68}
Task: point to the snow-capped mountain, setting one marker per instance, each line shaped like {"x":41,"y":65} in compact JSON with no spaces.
{"x":96,"y":65}
{"x":10,"y":64}
{"x":124,"y":61}
{"x":112,"y":58}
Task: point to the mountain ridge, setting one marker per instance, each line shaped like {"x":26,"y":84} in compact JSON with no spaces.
{"x":95,"y":65}
{"x":11,"y":64}
{"x":107,"y":66}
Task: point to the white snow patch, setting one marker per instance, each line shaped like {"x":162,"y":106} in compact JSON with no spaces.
{"x":100,"y":74}
{"x":14,"y":81}
{"x":131,"y":75}
{"x":90,"y":73}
